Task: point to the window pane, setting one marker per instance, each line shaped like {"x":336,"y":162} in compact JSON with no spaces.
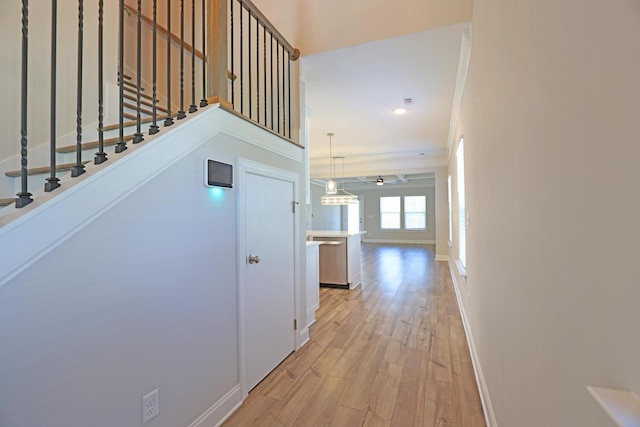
{"x":390,"y":220}
{"x":390,"y":204}
{"x":415,"y":212}
{"x":390,"y":212}
{"x":415,"y":221}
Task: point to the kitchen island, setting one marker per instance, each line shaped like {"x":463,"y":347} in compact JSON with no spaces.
{"x":339,"y":257}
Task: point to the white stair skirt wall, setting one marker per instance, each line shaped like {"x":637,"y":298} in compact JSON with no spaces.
{"x":140,"y":242}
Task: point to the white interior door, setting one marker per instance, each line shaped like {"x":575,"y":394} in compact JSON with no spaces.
{"x":270,"y":306}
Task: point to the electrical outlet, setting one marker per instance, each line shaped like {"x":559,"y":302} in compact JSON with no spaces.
{"x":150,"y":406}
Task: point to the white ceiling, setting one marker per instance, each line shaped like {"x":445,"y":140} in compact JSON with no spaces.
{"x":352,"y":92}
{"x":360,"y":59}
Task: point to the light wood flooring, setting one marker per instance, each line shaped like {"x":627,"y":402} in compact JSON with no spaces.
{"x":391,"y":354}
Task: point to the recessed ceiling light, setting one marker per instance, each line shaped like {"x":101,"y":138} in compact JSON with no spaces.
{"x":400,"y":110}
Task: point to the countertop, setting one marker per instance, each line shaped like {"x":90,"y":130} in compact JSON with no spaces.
{"x":312,"y":244}
{"x":327,"y":233}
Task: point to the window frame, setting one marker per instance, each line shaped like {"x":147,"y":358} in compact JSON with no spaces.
{"x":402,"y":213}
{"x":399,"y":213}
{"x":423,"y":212}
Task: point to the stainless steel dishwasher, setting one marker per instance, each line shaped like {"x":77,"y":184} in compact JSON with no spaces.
{"x":333,"y":262}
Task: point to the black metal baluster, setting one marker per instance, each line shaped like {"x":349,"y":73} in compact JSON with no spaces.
{"x":241,"y":60}
{"x":53,"y":182}
{"x":203,"y":101}
{"x":250,"y":75}
{"x":284,"y":91}
{"x":78,"y":169}
{"x":278,"y":82}
{"x":181,"y":113}
{"x":153,"y":129}
{"x":137,"y":137}
{"x":271,"y":63}
{"x":121,"y":145}
{"x":233,"y":81}
{"x":101,"y":156}
{"x":169,"y":120}
{"x":24,"y":197}
{"x":193,"y":107}
{"x":264,"y":57}
{"x":289,"y":86}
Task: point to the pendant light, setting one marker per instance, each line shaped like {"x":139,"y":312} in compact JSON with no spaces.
{"x":341,"y":197}
{"x":330,"y":187}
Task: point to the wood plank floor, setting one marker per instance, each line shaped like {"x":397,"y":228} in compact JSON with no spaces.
{"x":393,"y":354}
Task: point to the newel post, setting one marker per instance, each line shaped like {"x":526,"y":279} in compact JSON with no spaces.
{"x":217,"y":50}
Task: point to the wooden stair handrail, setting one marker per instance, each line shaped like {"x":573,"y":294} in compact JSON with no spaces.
{"x":162,"y":30}
{"x":255,"y":12}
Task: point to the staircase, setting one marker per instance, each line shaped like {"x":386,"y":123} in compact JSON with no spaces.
{"x":66,"y":155}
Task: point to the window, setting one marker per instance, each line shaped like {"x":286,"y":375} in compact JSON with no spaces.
{"x":390,"y":213}
{"x":403,"y":212}
{"x":415,"y":212}
{"x":462,"y":212}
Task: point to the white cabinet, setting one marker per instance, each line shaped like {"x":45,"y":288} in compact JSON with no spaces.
{"x":313,"y":281}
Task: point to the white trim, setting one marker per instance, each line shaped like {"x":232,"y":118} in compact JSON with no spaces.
{"x":463,"y":68}
{"x":462,"y":271}
{"x":245,"y":167}
{"x":311,"y":315}
{"x":303,"y":337}
{"x":487,"y":407}
{"x":622,"y":406}
{"x":440,"y":257}
{"x":416,"y":242}
{"x":265,"y":140}
{"x":221,"y":410}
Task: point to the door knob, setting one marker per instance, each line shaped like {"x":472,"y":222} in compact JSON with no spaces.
{"x":254,"y":259}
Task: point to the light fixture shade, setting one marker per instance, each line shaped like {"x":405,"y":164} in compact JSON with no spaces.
{"x":331,"y":187}
{"x":343,"y":198}
{"x":379,"y":181}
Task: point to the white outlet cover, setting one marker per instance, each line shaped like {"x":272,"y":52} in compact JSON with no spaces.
{"x":150,"y":406}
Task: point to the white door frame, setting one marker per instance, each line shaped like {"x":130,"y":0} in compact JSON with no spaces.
{"x":245,"y":167}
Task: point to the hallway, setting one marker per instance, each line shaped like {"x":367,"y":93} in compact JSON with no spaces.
{"x":393,"y":354}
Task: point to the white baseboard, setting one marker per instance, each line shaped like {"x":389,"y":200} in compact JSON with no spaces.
{"x":414,"y":242}
{"x":303,"y":337}
{"x":442,"y":257}
{"x":489,"y":415}
{"x":311,"y":316}
{"x":221,"y":410}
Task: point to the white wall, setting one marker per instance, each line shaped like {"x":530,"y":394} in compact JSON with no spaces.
{"x":372,"y":215}
{"x":142,"y":296}
{"x":323,"y":217}
{"x":441,"y":214}
{"x":552,"y":291}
